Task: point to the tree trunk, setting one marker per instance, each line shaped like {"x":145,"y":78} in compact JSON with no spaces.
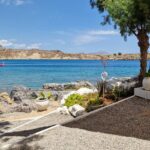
{"x":144,"y":45}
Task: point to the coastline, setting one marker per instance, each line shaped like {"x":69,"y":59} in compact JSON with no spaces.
{"x":36,"y":54}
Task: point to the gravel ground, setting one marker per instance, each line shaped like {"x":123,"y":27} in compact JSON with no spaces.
{"x":63,"y":138}
{"x":130,"y":118}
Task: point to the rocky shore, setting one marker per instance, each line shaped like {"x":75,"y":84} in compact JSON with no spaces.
{"x":22,"y":99}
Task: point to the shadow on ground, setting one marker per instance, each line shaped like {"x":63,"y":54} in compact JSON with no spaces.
{"x":130,"y":118}
{"x":4,"y":125}
{"x":23,"y":133}
{"x":26,"y":144}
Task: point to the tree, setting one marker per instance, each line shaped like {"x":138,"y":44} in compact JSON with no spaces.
{"x":119,"y":53}
{"x":133,"y":18}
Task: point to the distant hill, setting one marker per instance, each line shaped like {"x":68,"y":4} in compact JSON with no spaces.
{"x":57,"y":54}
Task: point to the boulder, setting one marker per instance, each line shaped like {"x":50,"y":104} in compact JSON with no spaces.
{"x":76,"y":110}
{"x":19,"y":91}
{"x":63,"y":110}
{"x":26,"y":106}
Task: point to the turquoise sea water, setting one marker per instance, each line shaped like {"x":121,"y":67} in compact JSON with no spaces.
{"x":33,"y":73}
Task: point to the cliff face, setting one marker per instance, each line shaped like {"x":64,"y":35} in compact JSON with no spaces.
{"x":56,"y":54}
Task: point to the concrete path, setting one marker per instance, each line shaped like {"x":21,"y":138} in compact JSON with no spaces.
{"x":31,"y":127}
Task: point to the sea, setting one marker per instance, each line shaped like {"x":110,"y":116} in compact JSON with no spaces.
{"x":34,"y":73}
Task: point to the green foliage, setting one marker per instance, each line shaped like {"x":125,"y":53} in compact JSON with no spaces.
{"x":147,"y":74}
{"x":94,"y":103}
{"x":100,"y":87}
{"x":133,"y":18}
{"x":86,"y":101}
{"x":74,"y":99}
{"x":44,"y":95}
{"x":119,"y":92}
{"x":129,"y":15}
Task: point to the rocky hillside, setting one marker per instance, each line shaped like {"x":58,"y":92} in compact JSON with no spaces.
{"x":57,"y":54}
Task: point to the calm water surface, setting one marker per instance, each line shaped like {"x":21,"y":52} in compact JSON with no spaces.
{"x":33,"y":73}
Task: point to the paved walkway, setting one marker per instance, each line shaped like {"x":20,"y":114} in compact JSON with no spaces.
{"x":31,"y":127}
{"x":123,"y":126}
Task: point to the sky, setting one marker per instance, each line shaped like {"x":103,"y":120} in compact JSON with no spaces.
{"x":67,"y":25}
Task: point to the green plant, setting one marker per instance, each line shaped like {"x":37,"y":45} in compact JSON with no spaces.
{"x":93,"y":103}
{"x":120,"y":91}
{"x":100,"y":87}
{"x":74,"y":99}
{"x":44,"y":95}
{"x":116,"y":92}
{"x":147,"y":74}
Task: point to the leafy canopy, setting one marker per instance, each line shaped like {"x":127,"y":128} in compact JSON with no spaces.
{"x":130,"y":15}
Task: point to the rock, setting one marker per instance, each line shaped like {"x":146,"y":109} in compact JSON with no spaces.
{"x":26,"y":106}
{"x":76,"y":110}
{"x":5,"y":97}
{"x":19,"y":91}
{"x":83,"y":91}
{"x":68,"y":86}
{"x":124,"y":83}
{"x":53,"y":86}
{"x":34,"y":94}
{"x":63,"y":110}
{"x":17,"y":99}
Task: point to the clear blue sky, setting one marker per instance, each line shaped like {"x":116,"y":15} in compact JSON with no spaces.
{"x":68,"y":25}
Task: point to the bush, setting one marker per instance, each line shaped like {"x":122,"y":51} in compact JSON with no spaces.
{"x":86,"y":101}
{"x":74,"y":99}
{"x":120,"y":92}
{"x":93,"y":104}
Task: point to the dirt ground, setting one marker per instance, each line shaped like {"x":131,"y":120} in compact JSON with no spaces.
{"x":17,"y":116}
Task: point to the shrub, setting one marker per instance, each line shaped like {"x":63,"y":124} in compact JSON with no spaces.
{"x":74,"y":99}
{"x":118,"y":92}
{"x":93,"y":103}
{"x":86,"y":101}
